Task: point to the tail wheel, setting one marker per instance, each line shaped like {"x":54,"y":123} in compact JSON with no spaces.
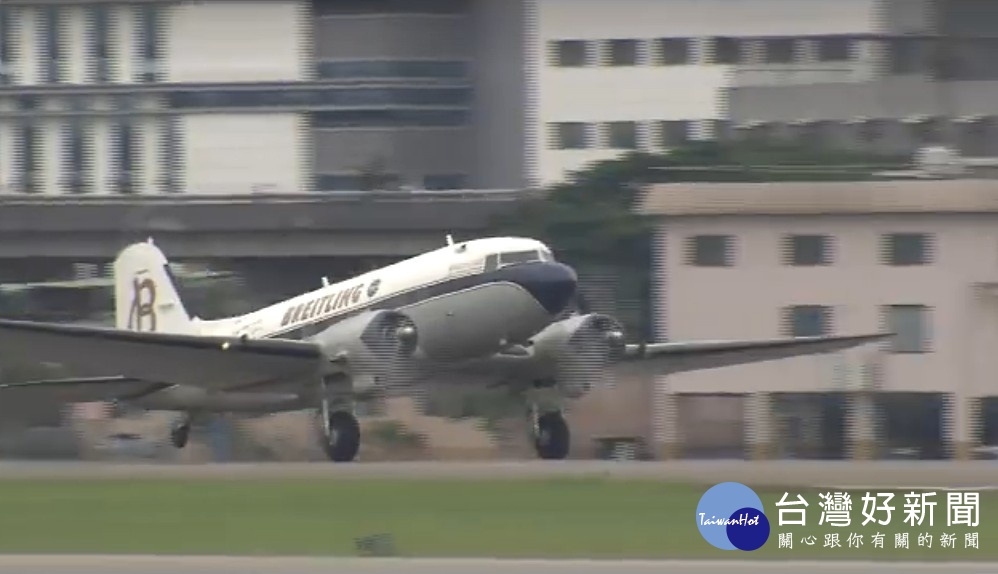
{"x":342,"y":437}
{"x":553,"y":438}
{"x":179,"y":434}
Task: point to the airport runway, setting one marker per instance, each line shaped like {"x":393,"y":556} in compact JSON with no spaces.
{"x":225,"y":565}
{"x":897,"y":474}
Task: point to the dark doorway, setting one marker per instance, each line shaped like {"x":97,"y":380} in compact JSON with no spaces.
{"x":989,"y":422}
{"x":912,"y":425}
{"x":810,"y":425}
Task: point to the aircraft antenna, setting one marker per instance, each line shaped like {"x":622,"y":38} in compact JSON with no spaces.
{"x":325,"y":281}
{"x":450,"y":240}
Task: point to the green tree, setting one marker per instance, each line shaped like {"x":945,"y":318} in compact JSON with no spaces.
{"x":590,"y":219}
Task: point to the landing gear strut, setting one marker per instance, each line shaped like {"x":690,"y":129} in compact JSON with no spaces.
{"x":180,"y":432}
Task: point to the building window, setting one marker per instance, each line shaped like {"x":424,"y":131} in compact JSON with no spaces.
{"x":125,"y":155}
{"x":29,"y":170}
{"x":779,"y":50}
{"x":976,"y":137}
{"x":910,"y":325}
{"x":710,"y":250}
{"x":569,"y":53}
{"x":807,"y":321}
{"x":907,"y":249}
{"x":74,"y":149}
{"x":380,"y":8}
{"x":338,"y":182}
{"x":100,"y":34}
{"x":148,"y":43}
{"x":51,"y":64}
{"x":623,"y":52}
{"x":351,"y":97}
{"x":674,"y":51}
{"x":353,"y":69}
{"x":906,"y":55}
{"x":346,"y":119}
{"x":445,"y":182}
{"x":172,"y":161}
{"x":926,"y":132}
{"x":807,"y":250}
{"x":622,"y":135}
{"x":726,"y":51}
{"x":570,"y":135}
{"x":675,"y":133}
{"x":357,"y":182}
{"x":6,"y":56}
{"x":27,"y":102}
{"x":871,"y":130}
{"x":834,"y":49}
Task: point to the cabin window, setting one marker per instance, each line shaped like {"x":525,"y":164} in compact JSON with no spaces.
{"x":491,"y":263}
{"x":515,"y":257}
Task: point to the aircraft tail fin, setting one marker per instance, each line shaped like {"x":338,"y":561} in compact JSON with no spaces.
{"x":145,"y":292}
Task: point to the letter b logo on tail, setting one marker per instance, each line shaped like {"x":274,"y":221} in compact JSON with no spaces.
{"x":142,"y":314}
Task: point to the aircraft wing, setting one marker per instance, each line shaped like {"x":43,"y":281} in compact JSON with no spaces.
{"x":665,"y":358}
{"x":661,"y":358}
{"x":73,"y":390}
{"x":202,"y":361}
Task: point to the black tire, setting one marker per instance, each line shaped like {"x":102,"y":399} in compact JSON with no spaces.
{"x":553,"y":437}
{"x":343,"y":441}
{"x":179,"y":435}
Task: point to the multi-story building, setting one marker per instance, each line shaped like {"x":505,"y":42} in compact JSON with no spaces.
{"x":288,"y":95}
{"x":649,"y":75}
{"x":917,"y":259}
{"x":884,"y":75}
{"x":270,"y":96}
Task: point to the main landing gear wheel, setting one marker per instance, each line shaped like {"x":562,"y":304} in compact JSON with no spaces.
{"x":553,"y":438}
{"x":179,"y":434}
{"x":342,"y":437}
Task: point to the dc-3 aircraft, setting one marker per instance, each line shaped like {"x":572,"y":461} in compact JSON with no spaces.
{"x":493,"y":306}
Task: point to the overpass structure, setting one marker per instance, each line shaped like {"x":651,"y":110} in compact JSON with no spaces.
{"x":361,"y":224}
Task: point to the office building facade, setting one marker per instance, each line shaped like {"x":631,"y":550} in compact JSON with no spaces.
{"x":164,"y":96}
{"x":274,"y":96}
{"x":916,"y":259}
{"x":888,"y":76}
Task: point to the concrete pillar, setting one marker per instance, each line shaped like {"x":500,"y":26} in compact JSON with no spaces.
{"x":759,"y":426}
{"x":861,"y":426}
{"x":961,"y":421}
{"x":665,"y":423}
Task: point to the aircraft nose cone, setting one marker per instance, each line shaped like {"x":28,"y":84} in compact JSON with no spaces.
{"x":552,"y":284}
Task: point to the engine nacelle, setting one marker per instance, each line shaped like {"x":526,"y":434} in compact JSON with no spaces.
{"x":581,"y":348}
{"x":378,"y":346}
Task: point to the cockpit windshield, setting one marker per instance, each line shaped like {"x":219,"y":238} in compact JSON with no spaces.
{"x":514,"y":257}
{"x":495,"y":261}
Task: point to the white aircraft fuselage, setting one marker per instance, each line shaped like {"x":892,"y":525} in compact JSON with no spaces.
{"x":467,"y":300}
